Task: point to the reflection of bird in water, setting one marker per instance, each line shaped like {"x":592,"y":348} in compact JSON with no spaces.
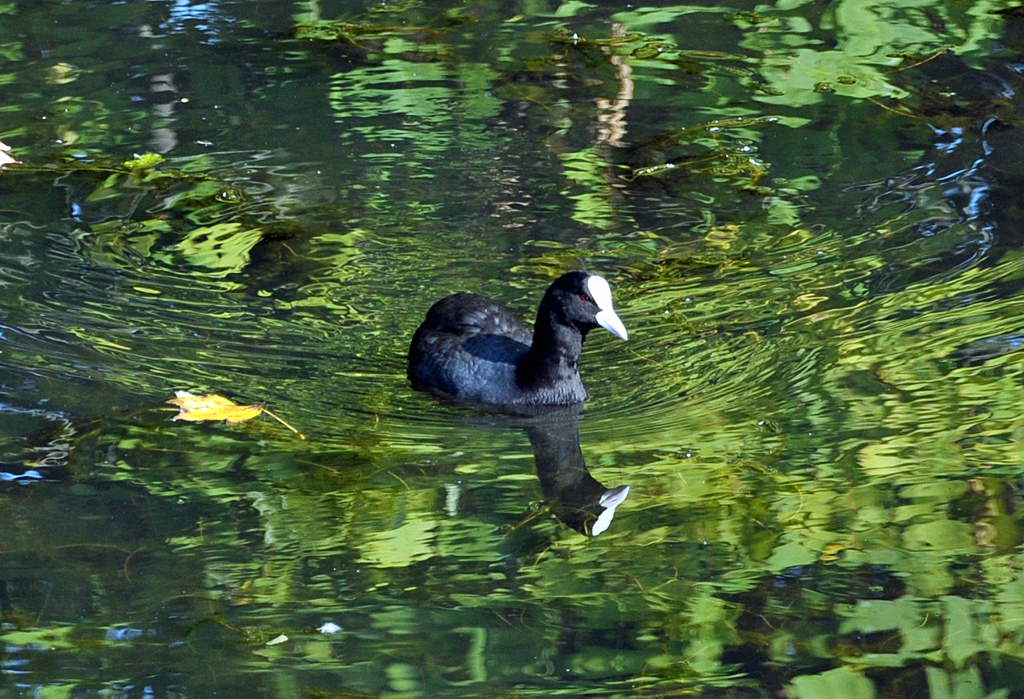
{"x":577,"y":499}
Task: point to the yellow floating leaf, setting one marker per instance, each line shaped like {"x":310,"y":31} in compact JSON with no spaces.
{"x":212,"y":407}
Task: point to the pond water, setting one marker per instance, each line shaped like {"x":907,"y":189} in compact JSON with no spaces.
{"x":809,"y":215}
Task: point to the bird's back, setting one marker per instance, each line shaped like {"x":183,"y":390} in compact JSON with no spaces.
{"x":469,"y":346}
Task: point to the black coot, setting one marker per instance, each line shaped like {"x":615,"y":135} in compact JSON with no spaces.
{"x":475,"y":349}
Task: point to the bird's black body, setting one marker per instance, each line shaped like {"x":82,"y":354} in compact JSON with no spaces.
{"x":475,"y":349}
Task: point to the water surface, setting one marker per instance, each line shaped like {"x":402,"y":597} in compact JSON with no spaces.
{"x":808,"y":217}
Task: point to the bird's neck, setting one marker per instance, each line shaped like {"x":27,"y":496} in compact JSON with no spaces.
{"x":555,"y":353}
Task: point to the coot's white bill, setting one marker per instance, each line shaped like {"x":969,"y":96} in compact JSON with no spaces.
{"x":606,"y":318}
{"x":610,"y":322}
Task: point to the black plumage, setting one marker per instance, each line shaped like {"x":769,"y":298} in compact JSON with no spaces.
{"x":475,"y":349}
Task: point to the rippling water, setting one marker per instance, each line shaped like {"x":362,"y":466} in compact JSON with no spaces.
{"x":818,"y":412}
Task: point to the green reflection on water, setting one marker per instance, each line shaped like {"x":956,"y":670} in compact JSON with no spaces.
{"x":818,"y":412}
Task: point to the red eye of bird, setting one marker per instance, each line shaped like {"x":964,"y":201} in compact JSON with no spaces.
{"x":584,"y":297}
